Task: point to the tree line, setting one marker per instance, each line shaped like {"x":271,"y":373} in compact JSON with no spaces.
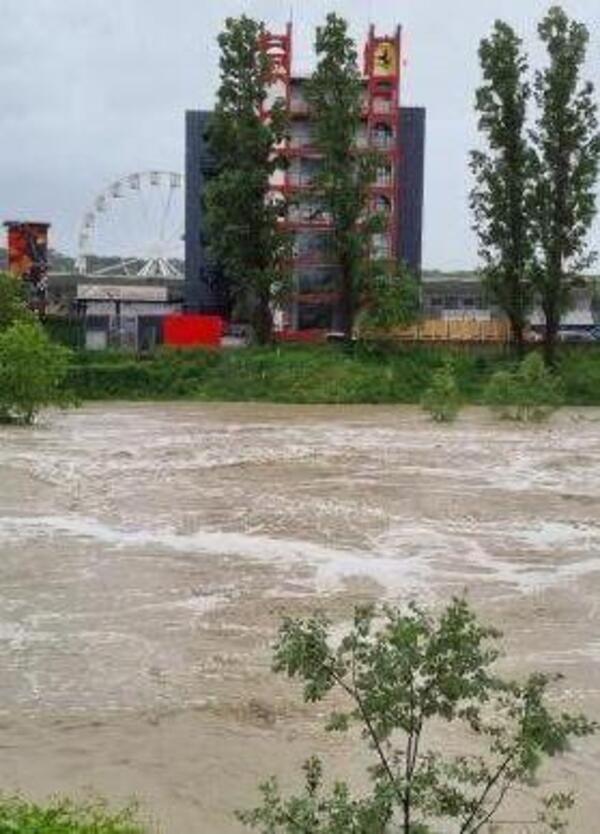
{"x":533,"y":199}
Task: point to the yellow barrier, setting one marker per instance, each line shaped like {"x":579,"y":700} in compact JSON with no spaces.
{"x":455,"y":330}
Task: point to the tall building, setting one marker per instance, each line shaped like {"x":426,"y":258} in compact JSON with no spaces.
{"x":396,"y":132}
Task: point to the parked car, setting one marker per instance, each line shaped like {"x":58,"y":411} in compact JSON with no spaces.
{"x":566,"y":334}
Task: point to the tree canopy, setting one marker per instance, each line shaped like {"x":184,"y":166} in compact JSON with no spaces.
{"x":401,"y":676}
{"x":335,"y":93}
{"x":243,"y":220}
{"x":502,"y":197}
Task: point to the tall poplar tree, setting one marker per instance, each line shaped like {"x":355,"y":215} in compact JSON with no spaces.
{"x":335,"y":94}
{"x":567,"y":142}
{"x":502,"y":197}
{"x":243,"y":222}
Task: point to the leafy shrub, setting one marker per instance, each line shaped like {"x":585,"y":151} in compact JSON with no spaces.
{"x":374,"y":372}
{"x":396,"y":675}
{"x":32,"y":372}
{"x":13,"y":306}
{"x":61,"y":816}
{"x":442,"y":399}
{"x":579,"y":370}
{"x":395,"y":302}
{"x":529,"y":393}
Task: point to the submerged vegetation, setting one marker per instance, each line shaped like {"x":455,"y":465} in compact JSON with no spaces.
{"x":442,"y":399}
{"x":530,"y":393}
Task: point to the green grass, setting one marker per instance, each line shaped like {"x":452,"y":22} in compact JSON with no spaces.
{"x":19,"y":815}
{"x":313,"y":374}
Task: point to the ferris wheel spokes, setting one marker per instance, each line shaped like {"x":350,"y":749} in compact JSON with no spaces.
{"x":135,"y":228}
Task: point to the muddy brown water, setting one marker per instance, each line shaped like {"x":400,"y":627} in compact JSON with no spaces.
{"x":148,"y":552}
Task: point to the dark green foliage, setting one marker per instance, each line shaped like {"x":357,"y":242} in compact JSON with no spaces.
{"x":66,"y":331}
{"x":394,"y":301}
{"x":33,"y":371}
{"x":442,"y":399}
{"x":167,"y":375}
{"x":400,"y":673}
{"x":579,"y":372}
{"x":529,"y":393}
{"x":567,"y":142}
{"x":342,"y":185}
{"x":370,"y":373}
{"x":535,"y":194}
{"x":21,"y":816}
{"x":13,"y":301}
{"x":243,"y":224}
{"x":502,"y":197}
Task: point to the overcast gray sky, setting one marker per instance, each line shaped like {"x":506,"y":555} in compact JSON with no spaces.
{"x":94,"y":89}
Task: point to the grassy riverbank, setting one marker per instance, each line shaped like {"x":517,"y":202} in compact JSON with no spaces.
{"x":311,"y":374}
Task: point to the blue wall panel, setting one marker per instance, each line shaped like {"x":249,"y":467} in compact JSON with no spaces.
{"x":411,"y":186}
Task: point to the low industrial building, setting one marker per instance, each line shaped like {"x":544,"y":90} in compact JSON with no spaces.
{"x":124,"y":317}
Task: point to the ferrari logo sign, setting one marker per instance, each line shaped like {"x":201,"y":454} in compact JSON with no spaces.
{"x":384,"y":61}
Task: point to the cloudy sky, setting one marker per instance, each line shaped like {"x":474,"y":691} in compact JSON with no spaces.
{"x":91,"y":90}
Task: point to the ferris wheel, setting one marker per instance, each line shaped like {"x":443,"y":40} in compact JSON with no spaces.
{"x":135,"y":228}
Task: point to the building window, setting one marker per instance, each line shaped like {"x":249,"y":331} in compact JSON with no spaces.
{"x":382,"y":204}
{"x":313,"y":245}
{"x":381,"y":246}
{"x":383,"y":135}
{"x":301,"y":135}
{"x":97,"y":322}
{"x":315,"y":316}
{"x":382,"y":105}
{"x":384,"y":175}
{"x":309,"y":169}
{"x":316,"y":280}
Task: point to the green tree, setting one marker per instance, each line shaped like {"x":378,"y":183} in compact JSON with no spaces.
{"x":33,"y":370}
{"x":400,"y":675}
{"x":243,"y":221}
{"x":502,"y":197}
{"x":568,"y":153}
{"x":13,"y":304}
{"x":394,"y":301}
{"x":342,"y":185}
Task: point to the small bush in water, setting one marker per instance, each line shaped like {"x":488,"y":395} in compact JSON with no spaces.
{"x":530,"y":393}
{"x":442,"y":399}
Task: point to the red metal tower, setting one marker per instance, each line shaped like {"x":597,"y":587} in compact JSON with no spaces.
{"x":382,"y":70}
{"x":382,"y":62}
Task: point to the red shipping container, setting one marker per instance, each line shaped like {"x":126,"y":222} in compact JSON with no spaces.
{"x":189,"y":330}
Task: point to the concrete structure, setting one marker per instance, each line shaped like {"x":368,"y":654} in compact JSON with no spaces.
{"x":397,"y":133}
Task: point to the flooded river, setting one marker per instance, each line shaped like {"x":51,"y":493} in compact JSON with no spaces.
{"x":148,"y":553}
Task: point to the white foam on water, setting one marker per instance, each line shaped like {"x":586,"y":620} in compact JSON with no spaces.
{"x":406,"y":557}
{"x":13,"y":633}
